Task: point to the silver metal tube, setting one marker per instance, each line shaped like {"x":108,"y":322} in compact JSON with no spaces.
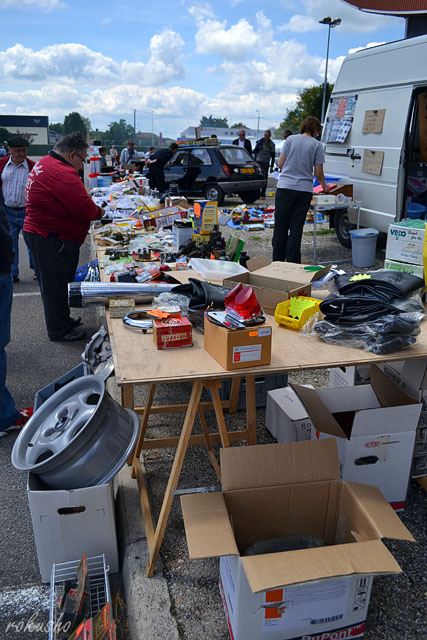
{"x":85,"y":294}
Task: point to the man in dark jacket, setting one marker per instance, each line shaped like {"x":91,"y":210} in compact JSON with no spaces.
{"x":10,"y":418}
{"x":156,"y":165}
{"x":264,"y":154}
{"x":242,"y":141}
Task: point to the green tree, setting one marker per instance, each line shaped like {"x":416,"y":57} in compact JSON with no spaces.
{"x":57,"y":126}
{"x":4,"y":135}
{"x":211,"y":121}
{"x":74,"y":122}
{"x":309,"y":103}
{"x":119,"y":132}
{"x":239,"y":124}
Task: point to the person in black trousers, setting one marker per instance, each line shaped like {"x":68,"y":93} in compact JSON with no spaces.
{"x":156,"y":165}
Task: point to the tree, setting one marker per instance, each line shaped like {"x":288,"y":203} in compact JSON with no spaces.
{"x":309,"y":103}
{"x":74,"y":122}
{"x":119,"y":132}
{"x":4,"y":135}
{"x":57,"y":126}
{"x":239,"y":124}
{"x":211,"y":121}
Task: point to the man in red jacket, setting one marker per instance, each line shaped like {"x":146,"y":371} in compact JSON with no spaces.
{"x":59,"y":212}
{"x":14,"y":170}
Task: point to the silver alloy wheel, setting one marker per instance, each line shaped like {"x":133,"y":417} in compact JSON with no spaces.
{"x":79,"y":437}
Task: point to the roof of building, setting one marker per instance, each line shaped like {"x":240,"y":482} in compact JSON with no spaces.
{"x":390,"y":7}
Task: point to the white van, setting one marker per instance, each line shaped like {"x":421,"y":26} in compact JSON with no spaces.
{"x":375,"y":132}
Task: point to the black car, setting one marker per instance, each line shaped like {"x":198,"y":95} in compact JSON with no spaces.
{"x":211,"y":172}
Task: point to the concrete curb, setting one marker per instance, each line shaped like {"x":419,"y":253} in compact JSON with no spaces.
{"x":147,"y":599}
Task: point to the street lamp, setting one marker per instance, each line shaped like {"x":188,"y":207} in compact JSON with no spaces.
{"x":331,"y":25}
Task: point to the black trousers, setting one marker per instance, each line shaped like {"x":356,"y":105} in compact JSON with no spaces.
{"x":157,"y":177}
{"x":265,"y":166}
{"x":289,"y":218}
{"x":56,"y":263}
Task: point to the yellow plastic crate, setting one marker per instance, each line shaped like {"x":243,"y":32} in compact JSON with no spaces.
{"x":282,"y":317}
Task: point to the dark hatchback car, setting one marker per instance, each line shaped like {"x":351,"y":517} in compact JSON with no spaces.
{"x":211,"y":172}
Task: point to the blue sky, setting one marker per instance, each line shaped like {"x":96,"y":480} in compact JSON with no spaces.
{"x":173,"y":60}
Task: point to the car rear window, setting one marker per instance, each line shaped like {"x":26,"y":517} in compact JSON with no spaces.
{"x":236,"y":155}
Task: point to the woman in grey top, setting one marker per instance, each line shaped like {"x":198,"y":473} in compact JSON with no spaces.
{"x":299,"y":155}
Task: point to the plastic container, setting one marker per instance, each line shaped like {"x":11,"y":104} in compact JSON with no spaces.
{"x":216,"y":269}
{"x":415,"y":211}
{"x":363,"y":247}
{"x":104,"y":181}
{"x":282,"y":317}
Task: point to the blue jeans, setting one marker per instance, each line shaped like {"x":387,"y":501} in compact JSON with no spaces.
{"x":16,"y":222}
{"x":8,"y":412}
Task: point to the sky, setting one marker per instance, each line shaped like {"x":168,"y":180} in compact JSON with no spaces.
{"x":174,"y":61}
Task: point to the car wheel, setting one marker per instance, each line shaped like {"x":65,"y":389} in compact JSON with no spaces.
{"x":215,"y":193}
{"x":249,"y":197}
{"x":343,"y":227}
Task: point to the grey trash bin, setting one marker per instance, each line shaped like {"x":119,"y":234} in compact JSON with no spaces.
{"x":363,"y":246}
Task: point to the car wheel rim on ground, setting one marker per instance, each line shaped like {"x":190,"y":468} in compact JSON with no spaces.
{"x":79,"y":437}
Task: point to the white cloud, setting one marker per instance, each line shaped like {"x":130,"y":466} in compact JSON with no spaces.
{"x":44,"y":5}
{"x":353,"y":20}
{"x":234,"y":43}
{"x":78,"y":64}
{"x":300,"y":24}
{"x":368,"y":46}
{"x":106,"y":20}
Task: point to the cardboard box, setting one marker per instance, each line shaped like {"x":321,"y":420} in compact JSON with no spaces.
{"x":274,"y":282}
{"x":349,"y":376}
{"x":120,"y":307}
{"x":164,"y":217}
{"x":181,"y":235}
{"x":374,"y":426}
{"x":279,"y":490}
{"x":173,"y":333}
{"x":67,"y":524}
{"x":345,"y":188}
{"x":405,"y":241}
{"x":205,"y":216}
{"x":286,"y":417}
{"x":239,"y":348}
{"x":409,"y":375}
{"x":404,"y":267}
{"x":324,"y":199}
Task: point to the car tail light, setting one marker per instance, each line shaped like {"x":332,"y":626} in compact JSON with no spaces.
{"x":226,"y":170}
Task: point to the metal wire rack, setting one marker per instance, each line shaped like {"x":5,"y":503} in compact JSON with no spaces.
{"x":99,"y":587}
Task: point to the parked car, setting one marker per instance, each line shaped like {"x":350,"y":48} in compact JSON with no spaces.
{"x":211,"y":172}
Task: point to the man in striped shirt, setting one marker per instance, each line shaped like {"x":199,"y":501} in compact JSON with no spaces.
{"x":14,"y":170}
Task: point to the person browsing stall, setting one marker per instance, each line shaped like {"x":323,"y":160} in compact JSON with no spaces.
{"x":264,"y":154}
{"x":59,"y":212}
{"x":129,"y":155}
{"x":156,"y":165}
{"x":300,"y":154}
{"x":242,"y":141}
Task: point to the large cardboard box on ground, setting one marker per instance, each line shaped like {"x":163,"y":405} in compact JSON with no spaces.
{"x":67,"y":524}
{"x":286,"y":417}
{"x":280,"y":490}
{"x":240,"y":348}
{"x":274,"y":282}
{"x":349,"y":376}
{"x":404,"y":267}
{"x":374,"y":426}
{"x":409,"y":375}
{"x":405,"y":241}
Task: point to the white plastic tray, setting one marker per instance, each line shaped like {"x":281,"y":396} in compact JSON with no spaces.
{"x":216,"y":269}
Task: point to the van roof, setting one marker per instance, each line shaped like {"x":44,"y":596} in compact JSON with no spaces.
{"x":396,"y":63}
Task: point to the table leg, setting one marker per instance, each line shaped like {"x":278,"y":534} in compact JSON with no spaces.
{"x":187,"y":427}
{"x":234,"y":394}
{"x":251,"y":409}
{"x":208,"y":443}
{"x":143,"y":427}
{"x":213,"y":385}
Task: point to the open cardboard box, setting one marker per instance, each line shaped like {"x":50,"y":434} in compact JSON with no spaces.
{"x":374,"y":426}
{"x":274,"y":282}
{"x":279,"y":490}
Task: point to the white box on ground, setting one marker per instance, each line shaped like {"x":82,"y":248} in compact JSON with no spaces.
{"x":409,"y":375}
{"x":374,"y":427}
{"x":67,"y":524}
{"x":280,"y":490}
{"x":349,"y":376}
{"x":404,"y":267}
{"x":405,"y":241}
{"x":286,"y":417}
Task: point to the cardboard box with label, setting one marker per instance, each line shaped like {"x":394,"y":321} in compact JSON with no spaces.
{"x":374,"y":426}
{"x":405,"y":241}
{"x":68,"y":524}
{"x":404,"y":267}
{"x":288,"y":490}
{"x":238,"y":348}
{"x":286,"y":417}
{"x":409,"y":375}
{"x":349,"y":376}
{"x":274,"y":282}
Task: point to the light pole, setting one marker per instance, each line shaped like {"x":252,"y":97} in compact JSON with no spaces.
{"x":257,"y":129}
{"x":331,"y":24}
